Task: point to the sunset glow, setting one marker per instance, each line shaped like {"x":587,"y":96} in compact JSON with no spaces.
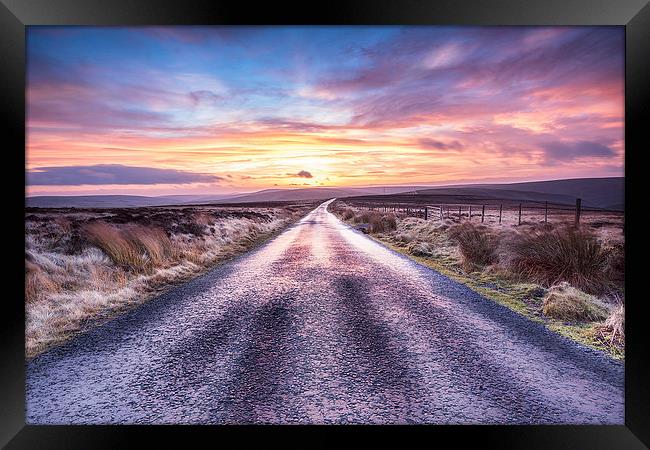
{"x":157,"y":111}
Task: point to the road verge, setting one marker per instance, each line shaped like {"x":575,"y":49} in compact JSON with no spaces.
{"x":86,"y":266}
{"x":433,"y":245}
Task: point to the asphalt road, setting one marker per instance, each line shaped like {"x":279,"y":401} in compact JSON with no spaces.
{"x":323,"y":325}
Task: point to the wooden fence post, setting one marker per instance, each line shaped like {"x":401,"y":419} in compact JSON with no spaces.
{"x":483,"y":214}
{"x":500,"y":211}
{"x":470,"y":212}
{"x":519,"y":214}
{"x":426,"y":213}
{"x":578,"y":210}
{"x":545,"y":212}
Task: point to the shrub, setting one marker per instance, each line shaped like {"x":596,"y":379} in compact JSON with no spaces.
{"x":390,"y":221}
{"x":347,"y":214}
{"x":616,"y":263}
{"x":193,"y":228}
{"x":364,"y":217}
{"x":378,"y":223}
{"x":564,"y":302}
{"x":549,"y":256}
{"x":477,"y":245}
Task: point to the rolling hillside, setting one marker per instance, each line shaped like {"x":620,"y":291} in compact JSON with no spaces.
{"x":607,"y":193}
{"x":114,"y":201}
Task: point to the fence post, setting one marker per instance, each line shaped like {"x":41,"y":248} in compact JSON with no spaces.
{"x":470,"y":212}
{"x":500,"y":211}
{"x":545,"y":212}
{"x":483,"y":214}
{"x":519,"y":214}
{"x":426,"y":213}
{"x":578,"y":208}
{"x":442,"y":213}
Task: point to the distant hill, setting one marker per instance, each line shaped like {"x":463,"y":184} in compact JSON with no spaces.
{"x":608,"y":193}
{"x":113,"y":201}
{"x":605,"y":193}
{"x":268,"y":195}
{"x":314,"y":193}
{"x":90,"y":201}
{"x":274,"y":195}
{"x":492,"y":193}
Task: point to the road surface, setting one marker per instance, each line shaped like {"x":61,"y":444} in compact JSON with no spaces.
{"x":323,"y":325}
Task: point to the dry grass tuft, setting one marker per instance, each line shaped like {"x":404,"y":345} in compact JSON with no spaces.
{"x":378,"y":223}
{"x":136,"y":248}
{"x":347,"y":214}
{"x":364,"y":217}
{"x":564,"y":302}
{"x":64,"y":224}
{"x":614,"y":325}
{"x":37,"y":283}
{"x":203,"y":219}
{"x":420,"y":248}
{"x":616,"y":262}
{"x":549,"y":256}
{"x":118,"y":247}
{"x":151,"y":241}
{"x":478,"y":245}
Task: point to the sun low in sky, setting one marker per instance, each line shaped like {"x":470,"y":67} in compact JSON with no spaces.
{"x":153,"y":111}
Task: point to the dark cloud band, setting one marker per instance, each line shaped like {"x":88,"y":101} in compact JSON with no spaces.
{"x":567,"y":151}
{"x":301,"y":174}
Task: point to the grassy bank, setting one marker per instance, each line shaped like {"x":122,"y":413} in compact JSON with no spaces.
{"x":83,"y":266}
{"x":570,"y":280}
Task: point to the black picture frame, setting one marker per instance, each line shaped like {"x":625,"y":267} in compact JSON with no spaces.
{"x":15,"y":15}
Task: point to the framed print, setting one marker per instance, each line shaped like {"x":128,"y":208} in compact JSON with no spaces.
{"x":235,"y":219}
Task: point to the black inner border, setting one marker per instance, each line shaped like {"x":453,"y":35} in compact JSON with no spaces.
{"x":16,"y":14}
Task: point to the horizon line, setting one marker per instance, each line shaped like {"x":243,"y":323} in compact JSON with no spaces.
{"x":438,"y":184}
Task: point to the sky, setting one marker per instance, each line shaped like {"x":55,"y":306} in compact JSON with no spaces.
{"x":209,"y":110}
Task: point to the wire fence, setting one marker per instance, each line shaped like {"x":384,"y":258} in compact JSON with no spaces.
{"x":492,"y":212}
